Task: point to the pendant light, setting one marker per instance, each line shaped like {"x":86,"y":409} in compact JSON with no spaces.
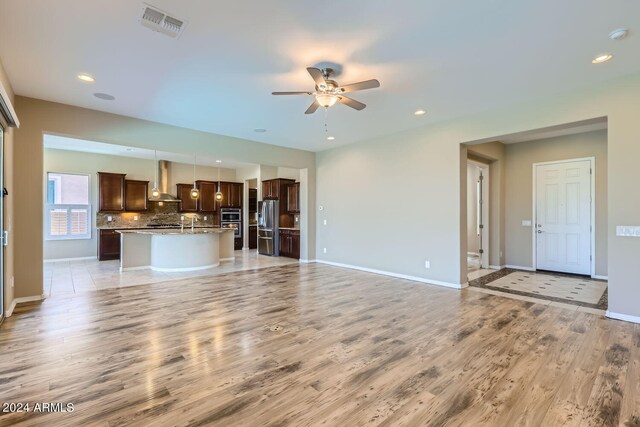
{"x":219,"y":193}
{"x":195,"y":193}
{"x":155,"y":191}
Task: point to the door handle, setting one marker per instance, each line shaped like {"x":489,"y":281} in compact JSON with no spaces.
{"x":540,"y":231}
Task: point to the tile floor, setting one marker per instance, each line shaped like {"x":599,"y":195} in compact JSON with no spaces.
{"x":74,"y":277}
{"x":572,"y":288}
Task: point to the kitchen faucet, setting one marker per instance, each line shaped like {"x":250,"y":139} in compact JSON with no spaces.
{"x":193,"y":219}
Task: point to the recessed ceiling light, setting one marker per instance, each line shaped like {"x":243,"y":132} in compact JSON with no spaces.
{"x":218,"y":161}
{"x":87,"y":78}
{"x":259,"y":130}
{"x":331,"y":138}
{"x":104,"y":96}
{"x":419,"y":112}
{"x":602,"y":58}
{"x":618,"y":34}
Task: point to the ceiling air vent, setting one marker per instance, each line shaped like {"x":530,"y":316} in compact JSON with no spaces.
{"x":161,"y":22}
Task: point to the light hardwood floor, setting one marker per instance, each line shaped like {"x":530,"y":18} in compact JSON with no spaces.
{"x":313,"y":344}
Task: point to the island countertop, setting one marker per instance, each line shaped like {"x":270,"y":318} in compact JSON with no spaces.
{"x":186,"y":231}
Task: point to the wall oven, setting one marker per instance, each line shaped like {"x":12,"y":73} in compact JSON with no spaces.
{"x":230,"y":215}
{"x":237,"y":228}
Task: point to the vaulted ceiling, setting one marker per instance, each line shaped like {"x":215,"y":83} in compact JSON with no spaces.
{"x":449,"y":57}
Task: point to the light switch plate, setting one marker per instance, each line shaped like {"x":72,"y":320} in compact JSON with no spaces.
{"x":109,"y":218}
{"x":324,"y":222}
{"x":526,"y":223}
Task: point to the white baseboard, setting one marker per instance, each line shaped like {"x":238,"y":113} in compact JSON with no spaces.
{"x":22,"y":300}
{"x":397,"y":275}
{"x":625,"y":317}
{"x":497,"y":267}
{"x":519,"y":267}
{"x":70,"y":259}
{"x":307,"y":261}
{"x":596,"y":276}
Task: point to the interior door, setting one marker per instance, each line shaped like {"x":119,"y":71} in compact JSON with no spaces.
{"x":4,"y":235}
{"x":563,"y":217}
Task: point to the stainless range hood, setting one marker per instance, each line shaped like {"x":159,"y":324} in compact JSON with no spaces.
{"x":163,"y":183}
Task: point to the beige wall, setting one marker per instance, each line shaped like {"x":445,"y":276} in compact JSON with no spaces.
{"x":8,"y":173}
{"x":396,"y":220}
{"x":38,"y":117}
{"x":89,"y":164}
{"x":519,"y":190}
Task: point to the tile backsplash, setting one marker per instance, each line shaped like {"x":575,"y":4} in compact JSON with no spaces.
{"x":157,"y":213}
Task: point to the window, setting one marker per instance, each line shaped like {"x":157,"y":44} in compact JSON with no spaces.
{"x":68,"y":212}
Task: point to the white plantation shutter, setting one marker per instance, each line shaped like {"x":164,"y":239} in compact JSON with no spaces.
{"x":68,"y":222}
{"x":58,"y":222}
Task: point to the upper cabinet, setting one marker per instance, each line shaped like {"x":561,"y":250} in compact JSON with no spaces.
{"x":231,"y":194}
{"x":111,"y":192}
{"x":184,"y":194}
{"x":135,"y":195}
{"x":293,"y":198}
{"x":276,"y":189}
{"x":207,"y":201}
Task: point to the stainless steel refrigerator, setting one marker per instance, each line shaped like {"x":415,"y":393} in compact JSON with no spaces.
{"x":268,"y":232}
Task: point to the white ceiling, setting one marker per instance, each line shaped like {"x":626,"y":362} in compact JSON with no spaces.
{"x":73,"y":144}
{"x":450,"y":57}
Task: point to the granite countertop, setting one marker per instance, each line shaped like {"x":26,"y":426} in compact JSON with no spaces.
{"x":289,"y":228}
{"x":152,"y":228}
{"x":187,"y":230}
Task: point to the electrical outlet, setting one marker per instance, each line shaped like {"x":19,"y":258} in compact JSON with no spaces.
{"x":427,"y":264}
{"x":109,"y":218}
{"x":136,"y":217}
{"x":324,"y":250}
{"x":181,"y":217}
{"x":205,"y":218}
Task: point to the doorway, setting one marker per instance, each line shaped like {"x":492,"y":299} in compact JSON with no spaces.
{"x":477,"y":215}
{"x":4,"y":235}
{"x":564,"y":216}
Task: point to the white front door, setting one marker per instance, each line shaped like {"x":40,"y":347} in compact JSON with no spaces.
{"x":563,"y":217}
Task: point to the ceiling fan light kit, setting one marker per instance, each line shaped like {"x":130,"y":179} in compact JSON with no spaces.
{"x":328,"y":92}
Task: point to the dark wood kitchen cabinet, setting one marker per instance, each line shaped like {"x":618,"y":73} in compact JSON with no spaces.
{"x":290,"y":243}
{"x":135,"y":195}
{"x":110,"y":192}
{"x":108,"y":245}
{"x":276,"y":189}
{"x":293,"y":198}
{"x":231,"y":195}
{"x":253,"y":236}
{"x":207,"y":201}
{"x":184,"y":194}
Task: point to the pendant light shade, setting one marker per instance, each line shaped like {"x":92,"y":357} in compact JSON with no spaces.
{"x":155,"y":191}
{"x":195,"y":193}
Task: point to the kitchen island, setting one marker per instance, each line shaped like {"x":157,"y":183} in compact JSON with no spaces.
{"x":175,"y":249}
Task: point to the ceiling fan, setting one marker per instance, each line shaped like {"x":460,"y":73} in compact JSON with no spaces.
{"x":328,"y":92}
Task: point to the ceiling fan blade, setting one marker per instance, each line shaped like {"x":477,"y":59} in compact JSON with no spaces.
{"x":318,"y":77}
{"x":291,"y":93}
{"x":367,"y":84}
{"x":351,"y":103}
{"x":312,"y":108}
